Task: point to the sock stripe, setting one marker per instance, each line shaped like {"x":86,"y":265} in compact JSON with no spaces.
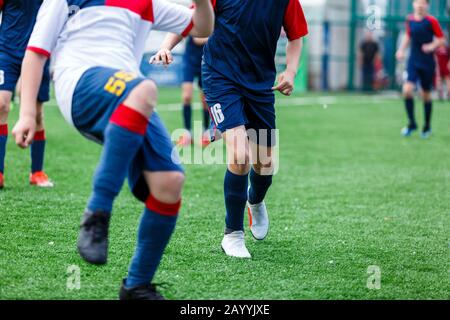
{"x":130,"y":119}
{"x":39,"y":136}
{"x":164,"y":209}
{"x":3,"y":129}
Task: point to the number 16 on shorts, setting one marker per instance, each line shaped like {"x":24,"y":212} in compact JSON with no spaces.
{"x":217,"y":114}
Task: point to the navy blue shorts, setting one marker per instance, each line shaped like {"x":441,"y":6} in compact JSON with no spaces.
{"x":10,"y":68}
{"x":423,"y":76}
{"x":192,"y":72}
{"x":92,"y":107}
{"x":232,"y":106}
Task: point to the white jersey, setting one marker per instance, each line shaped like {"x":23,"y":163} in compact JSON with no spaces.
{"x":81,"y":34}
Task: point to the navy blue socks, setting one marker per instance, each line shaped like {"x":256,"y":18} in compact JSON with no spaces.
{"x":235,"y":190}
{"x":124,"y":136}
{"x":259,"y":185}
{"x":157,"y":225}
{"x":3,"y":140}
{"x":37,"y":152}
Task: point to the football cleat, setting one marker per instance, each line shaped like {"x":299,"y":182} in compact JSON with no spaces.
{"x":233,"y":244}
{"x":426,"y":134}
{"x":144,"y":292}
{"x":2,"y":181}
{"x":93,"y":238}
{"x":258,"y":220}
{"x":408,"y":131}
{"x":40,"y":179}
{"x":185,"y":140}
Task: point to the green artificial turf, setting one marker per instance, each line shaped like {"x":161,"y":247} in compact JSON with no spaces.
{"x":350,"y":193}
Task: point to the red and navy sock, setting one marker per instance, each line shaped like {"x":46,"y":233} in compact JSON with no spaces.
{"x":156,"y":227}
{"x":123,"y":138}
{"x":3,"y":140}
{"x":259,"y":185}
{"x":409,"y":106}
{"x":235,"y":190}
{"x":428,"y":111}
{"x":187,"y":116}
{"x":37,"y":152}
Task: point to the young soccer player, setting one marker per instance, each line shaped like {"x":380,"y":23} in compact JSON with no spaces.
{"x":425,"y":35}
{"x":18,"y":18}
{"x":238,"y":76}
{"x":101,"y":92}
{"x":192,"y":65}
{"x":443,"y":60}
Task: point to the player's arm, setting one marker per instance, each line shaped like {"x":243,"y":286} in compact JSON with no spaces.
{"x":202,"y":19}
{"x":286,"y":79}
{"x":296,"y":28}
{"x":439,"y":38}
{"x":50,"y":20}
{"x":32,"y":72}
{"x":200,"y":23}
{"x":404,"y":45}
{"x":164,"y":55}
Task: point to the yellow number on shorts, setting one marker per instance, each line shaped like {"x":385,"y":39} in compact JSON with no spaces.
{"x":118,"y":83}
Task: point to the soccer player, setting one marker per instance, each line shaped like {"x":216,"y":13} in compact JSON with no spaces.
{"x":101,"y":92}
{"x":425,"y":35}
{"x":192,"y":65}
{"x":443,"y":60}
{"x":238,"y":74}
{"x":18,"y":18}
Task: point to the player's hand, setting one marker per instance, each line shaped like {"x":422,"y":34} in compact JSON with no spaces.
{"x":24,"y":131}
{"x":163,"y":56}
{"x":428,"y":48}
{"x":285,"y":83}
{"x":400,"y":55}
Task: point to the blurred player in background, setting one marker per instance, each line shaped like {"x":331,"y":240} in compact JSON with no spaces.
{"x":443,"y":60}
{"x":101,"y":92}
{"x":424,"y":34}
{"x":18,"y":18}
{"x":192,"y":69}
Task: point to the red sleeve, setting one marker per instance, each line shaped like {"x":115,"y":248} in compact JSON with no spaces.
{"x":1,"y":4}
{"x":437,"y":30}
{"x":408,"y":27}
{"x":295,"y":23}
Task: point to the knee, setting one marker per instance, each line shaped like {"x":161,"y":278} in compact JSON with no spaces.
{"x":265,"y":168}
{"x":408,"y":90}
{"x":426,"y":96}
{"x":144,"y":97}
{"x":240,"y":162}
{"x":187,"y":98}
{"x":239,"y":169}
{"x":169,"y":188}
{"x":4,"y":106}
{"x":40,"y":119}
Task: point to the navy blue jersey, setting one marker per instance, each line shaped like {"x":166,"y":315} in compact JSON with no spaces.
{"x":18,"y":19}
{"x":193,"y":54}
{"x":244,"y":43}
{"x":422,"y":32}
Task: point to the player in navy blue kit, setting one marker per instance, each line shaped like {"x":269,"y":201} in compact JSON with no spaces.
{"x":192,"y":70}
{"x":18,"y":18}
{"x":424,"y":35}
{"x":238,"y":74}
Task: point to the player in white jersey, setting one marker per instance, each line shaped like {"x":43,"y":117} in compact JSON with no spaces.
{"x":96,"y":47}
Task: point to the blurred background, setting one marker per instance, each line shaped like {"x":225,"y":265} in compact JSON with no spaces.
{"x":332,"y":59}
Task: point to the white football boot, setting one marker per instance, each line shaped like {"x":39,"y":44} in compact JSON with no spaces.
{"x":258,"y":220}
{"x":233,"y":244}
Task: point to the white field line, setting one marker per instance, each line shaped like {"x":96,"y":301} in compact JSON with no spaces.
{"x":323,"y":101}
